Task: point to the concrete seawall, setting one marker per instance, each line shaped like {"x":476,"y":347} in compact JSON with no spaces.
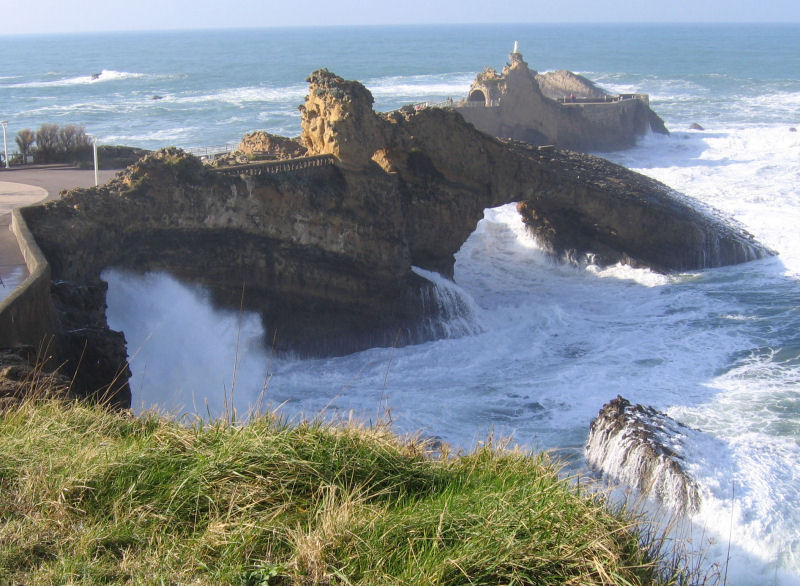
{"x":27,"y":315}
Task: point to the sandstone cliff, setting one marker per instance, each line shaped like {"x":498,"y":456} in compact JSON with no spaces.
{"x":577,"y":205}
{"x":324,"y":254}
{"x":260,"y":144}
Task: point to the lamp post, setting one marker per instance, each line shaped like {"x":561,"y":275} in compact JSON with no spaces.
{"x":5,"y":144}
{"x":94,"y":148}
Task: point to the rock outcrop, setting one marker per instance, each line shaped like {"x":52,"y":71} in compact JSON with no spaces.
{"x":559,"y":108}
{"x":562,"y":84}
{"x":577,"y":205}
{"x":596,"y":211}
{"x":263,"y":145}
{"x":643,"y":448}
{"x":321,"y":256}
{"x":325,"y":253}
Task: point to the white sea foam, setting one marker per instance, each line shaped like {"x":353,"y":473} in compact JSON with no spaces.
{"x":658,"y":89}
{"x":752,"y":408}
{"x":454,"y":311}
{"x":559,"y":341}
{"x":761,"y":167}
{"x":167,"y":136}
{"x":105,"y":107}
{"x":105,"y":75}
{"x":243,"y":95}
{"x":209,"y":349}
{"x":715,"y":349}
{"x":421,"y":86}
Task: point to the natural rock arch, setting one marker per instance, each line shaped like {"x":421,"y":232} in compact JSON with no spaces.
{"x":477,"y":96}
{"x":326,"y":253}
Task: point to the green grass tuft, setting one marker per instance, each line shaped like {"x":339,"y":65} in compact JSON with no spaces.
{"x":90,"y":496}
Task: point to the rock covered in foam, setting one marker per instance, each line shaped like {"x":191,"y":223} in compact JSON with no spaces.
{"x":642,"y":447}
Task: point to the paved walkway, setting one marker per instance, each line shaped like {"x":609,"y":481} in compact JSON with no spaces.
{"x":22,"y":186}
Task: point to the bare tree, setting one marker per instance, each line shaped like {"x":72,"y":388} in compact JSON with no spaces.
{"x":47,"y":143}
{"x":25,"y":139}
{"x":73,"y":142}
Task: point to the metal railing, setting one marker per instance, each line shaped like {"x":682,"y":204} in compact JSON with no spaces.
{"x":603,"y":100}
{"x":284,"y":166}
{"x":450,"y":104}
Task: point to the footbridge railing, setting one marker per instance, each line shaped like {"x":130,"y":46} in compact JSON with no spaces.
{"x":451,"y":104}
{"x":272,"y":167}
{"x":605,"y":99}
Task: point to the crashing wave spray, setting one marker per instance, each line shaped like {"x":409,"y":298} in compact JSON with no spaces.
{"x":448,"y":310}
{"x":641,"y":447}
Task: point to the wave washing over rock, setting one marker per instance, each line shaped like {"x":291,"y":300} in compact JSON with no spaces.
{"x":643,"y":448}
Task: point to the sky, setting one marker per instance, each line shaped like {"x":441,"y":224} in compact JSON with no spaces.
{"x":70,"y":16}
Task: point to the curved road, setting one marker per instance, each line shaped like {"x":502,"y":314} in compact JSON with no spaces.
{"x":23,"y":186}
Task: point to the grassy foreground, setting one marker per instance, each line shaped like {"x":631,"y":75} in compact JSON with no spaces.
{"x":89,"y":496}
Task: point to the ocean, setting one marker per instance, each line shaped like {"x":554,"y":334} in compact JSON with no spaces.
{"x":543,"y":345}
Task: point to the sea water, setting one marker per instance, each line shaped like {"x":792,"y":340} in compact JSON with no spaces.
{"x":539,"y":346}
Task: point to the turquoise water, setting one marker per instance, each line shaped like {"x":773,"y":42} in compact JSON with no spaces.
{"x":217,"y":85}
{"x":718,"y":350}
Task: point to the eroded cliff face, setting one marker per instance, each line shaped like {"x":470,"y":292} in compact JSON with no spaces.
{"x":325,"y":254}
{"x":320,"y":254}
{"x":337,"y":119}
{"x":577,"y":205}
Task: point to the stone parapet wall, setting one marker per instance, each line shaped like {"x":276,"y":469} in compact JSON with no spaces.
{"x":601,"y":125}
{"x":27,"y":316}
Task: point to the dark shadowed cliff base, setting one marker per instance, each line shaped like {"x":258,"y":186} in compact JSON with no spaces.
{"x":325,"y":253}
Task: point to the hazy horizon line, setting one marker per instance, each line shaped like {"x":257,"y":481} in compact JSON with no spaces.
{"x":398,"y":25}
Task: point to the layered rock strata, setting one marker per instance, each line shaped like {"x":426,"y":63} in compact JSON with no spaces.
{"x":642,"y":447}
{"x":325,"y":254}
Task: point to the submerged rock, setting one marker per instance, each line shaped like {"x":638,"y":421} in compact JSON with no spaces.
{"x":642,"y":447}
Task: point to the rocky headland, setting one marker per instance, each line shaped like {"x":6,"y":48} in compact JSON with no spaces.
{"x":325,"y":253}
{"x":557,"y":108}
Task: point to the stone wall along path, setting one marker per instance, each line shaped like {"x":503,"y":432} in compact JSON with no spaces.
{"x":12,"y":266}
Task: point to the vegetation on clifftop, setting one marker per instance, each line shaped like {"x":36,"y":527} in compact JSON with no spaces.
{"x":91,"y":496}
